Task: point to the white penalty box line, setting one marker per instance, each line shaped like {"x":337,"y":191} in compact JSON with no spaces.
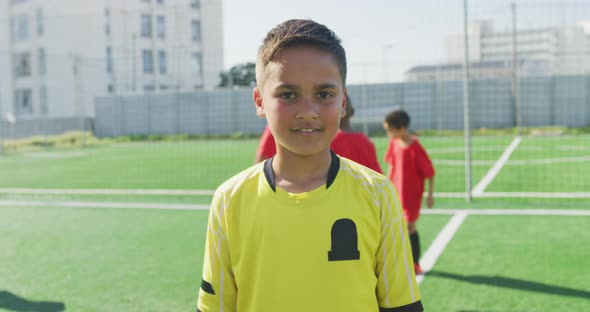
{"x":459,"y":215}
{"x":493,"y":172}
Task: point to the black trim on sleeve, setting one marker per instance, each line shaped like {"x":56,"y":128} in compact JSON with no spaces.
{"x":412,"y":307}
{"x":207,"y":287}
{"x":199,"y":310}
{"x":334,"y":167}
{"x":270,"y":176}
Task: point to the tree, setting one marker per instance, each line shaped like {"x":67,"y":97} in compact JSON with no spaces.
{"x":241,"y":75}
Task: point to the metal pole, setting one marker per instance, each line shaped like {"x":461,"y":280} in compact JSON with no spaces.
{"x":365,"y":120}
{"x":466,"y":114}
{"x":515,"y":74}
{"x":133,"y":60}
{"x":1,"y":127}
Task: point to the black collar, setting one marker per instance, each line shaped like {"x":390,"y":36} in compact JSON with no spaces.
{"x":332,"y":172}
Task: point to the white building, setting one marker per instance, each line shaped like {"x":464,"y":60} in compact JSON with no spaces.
{"x":57,"y":55}
{"x":565,"y":49}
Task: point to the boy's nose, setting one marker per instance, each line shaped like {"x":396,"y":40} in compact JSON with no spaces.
{"x":308,"y":110}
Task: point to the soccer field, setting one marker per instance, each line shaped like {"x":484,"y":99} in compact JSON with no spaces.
{"x":81,"y":231}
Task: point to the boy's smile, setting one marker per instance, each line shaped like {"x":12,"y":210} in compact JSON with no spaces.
{"x":303,"y":97}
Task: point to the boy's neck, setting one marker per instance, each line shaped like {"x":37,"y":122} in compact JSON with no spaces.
{"x":406,"y":139}
{"x":299,"y":174}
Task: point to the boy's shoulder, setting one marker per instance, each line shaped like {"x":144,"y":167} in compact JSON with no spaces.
{"x":361,"y":173}
{"x":235,"y":183}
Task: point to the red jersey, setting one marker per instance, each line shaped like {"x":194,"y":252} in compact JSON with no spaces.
{"x":267,"y":147}
{"x":357,"y":147}
{"x":410,"y":166}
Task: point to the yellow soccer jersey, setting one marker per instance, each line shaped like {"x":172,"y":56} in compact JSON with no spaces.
{"x":341,"y":247}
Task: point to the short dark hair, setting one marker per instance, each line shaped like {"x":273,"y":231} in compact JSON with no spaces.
{"x":398,"y":119}
{"x":300,"y":32}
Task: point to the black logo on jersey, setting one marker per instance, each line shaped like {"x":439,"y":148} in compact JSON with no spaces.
{"x":344,"y":241}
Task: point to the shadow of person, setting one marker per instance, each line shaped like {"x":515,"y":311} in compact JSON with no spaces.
{"x":513,"y":283}
{"x":13,"y":302}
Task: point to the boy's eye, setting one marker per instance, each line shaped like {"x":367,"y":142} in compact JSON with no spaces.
{"x":324,"y":95}
{"x":287,"y":95}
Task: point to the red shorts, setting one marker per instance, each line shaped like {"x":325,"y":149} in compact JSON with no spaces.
{"x":412,"y":215}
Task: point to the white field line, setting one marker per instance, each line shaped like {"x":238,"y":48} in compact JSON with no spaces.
{"x":211,"y":192}
{"x":546,"y":161}
{"x":534,"y":195}
{"x":509,"y":212}
{"x":481,"y":186}
{"x":163,"y":206}
{"x":74,"y":204}
{"x":438,"y":245}
{"x":103,"y":191}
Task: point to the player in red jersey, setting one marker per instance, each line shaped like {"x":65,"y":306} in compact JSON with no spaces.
{"x":409,"y":167}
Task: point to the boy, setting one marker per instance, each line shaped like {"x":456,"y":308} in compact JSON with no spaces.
{"x":353,"y":145}
{"x":306,"y":230}
{"x":409,"y":166}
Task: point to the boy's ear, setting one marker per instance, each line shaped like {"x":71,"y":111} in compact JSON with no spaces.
{"x":343,"y":110}
{"x":257,"y":96}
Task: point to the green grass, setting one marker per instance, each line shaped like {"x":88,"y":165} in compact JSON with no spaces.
{"x":112,"y":259}
{"x":163,"y":165}
{"x":150,"y":260}
{"x":512,"y":263}
{"x":102,"y":259}
{"x":555,"y":177}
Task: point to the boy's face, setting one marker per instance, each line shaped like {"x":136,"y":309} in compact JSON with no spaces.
{"x":394,"y":132}
{"x":303,"y":98}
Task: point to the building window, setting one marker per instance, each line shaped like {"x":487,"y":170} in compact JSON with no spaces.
{"x":162,"y":62}
{"x":195,"y":4}
{"x":42,"y":62}
{"x":148,"y":61}
{"x":13,"y":2}
{"x":196,"y":65}
{"x":146,"y":25}
{"x":43,"y":100}
{"x":196,"y":26}
{"x":161,"y":25}
{"x":22,"y":64}
{"x":110,"y":88}
{"x":149,"y":88}
{"x":23,"y":103}
{"x":163,"y":87}
{"x":107,"y":21}
{"x":40,"y":24}
{"x":109,"y":60}
{"x":160,"y":1}
{"x":20,"y":27}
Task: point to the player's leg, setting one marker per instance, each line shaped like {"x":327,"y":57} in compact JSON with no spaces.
{"x":411,"y":218}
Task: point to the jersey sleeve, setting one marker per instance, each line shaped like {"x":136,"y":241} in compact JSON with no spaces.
{"x":425,"y":167}
{"x":218,"y":290}
{"x":267,"y":147}
{"x":397,"y":288}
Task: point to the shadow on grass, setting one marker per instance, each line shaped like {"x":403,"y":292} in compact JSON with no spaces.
{"x":12,"y":302}
{"x":507,"y":282}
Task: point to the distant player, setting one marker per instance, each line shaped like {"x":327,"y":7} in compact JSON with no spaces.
{"x":354,"y":145}
{"x":306,"y":230}
{"x":409,"y":167}
{"x":347,"y":143}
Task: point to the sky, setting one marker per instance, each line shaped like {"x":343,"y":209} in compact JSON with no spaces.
{"x":385,"y":38}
